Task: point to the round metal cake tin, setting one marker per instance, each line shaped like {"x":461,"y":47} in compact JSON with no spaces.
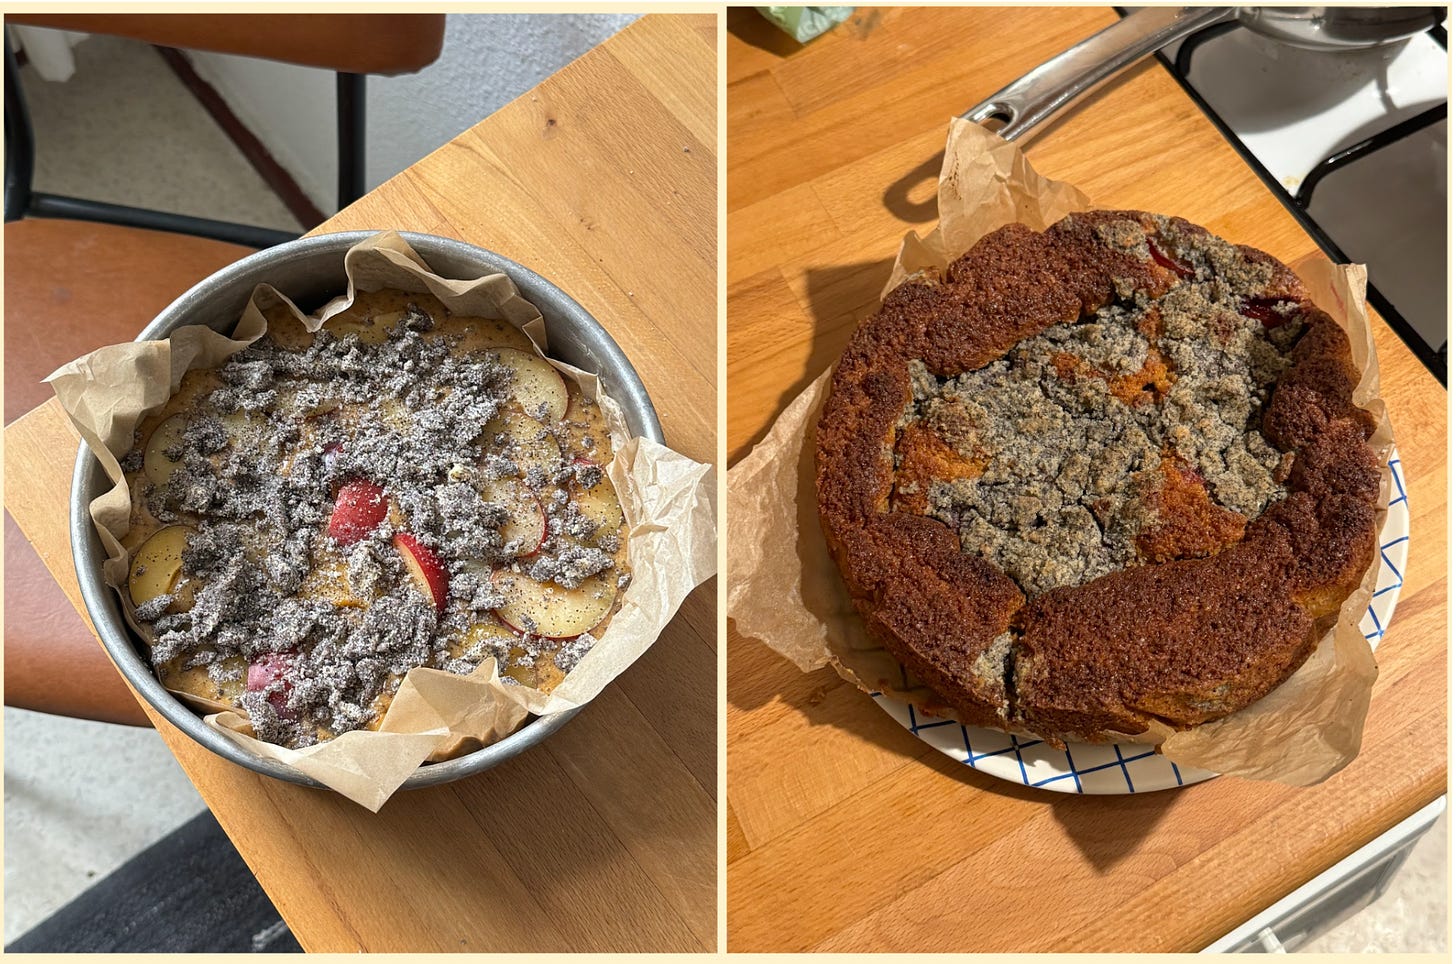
{"x":311,"y":271}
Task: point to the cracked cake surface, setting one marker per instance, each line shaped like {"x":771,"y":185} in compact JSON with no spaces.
{"x":323,"y":512}
{"x":1098,"y":476}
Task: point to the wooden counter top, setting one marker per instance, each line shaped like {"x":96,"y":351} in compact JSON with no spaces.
{"x":847,"y":833}
{"x":604,"y":838}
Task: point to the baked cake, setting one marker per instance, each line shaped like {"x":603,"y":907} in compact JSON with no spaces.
{"x":323,"y":512}
{"x":1098,"y":476}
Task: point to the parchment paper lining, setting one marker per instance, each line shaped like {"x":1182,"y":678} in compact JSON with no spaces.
{"x":786,"y":591}
{"x":666,"y":501}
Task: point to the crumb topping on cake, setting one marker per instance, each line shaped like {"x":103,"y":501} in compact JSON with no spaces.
{"x":323,"y":627}
{"x":1098,"y":476}
{"x":1073,"y":430}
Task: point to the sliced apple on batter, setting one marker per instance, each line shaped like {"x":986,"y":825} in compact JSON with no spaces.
{"x":483,"y":334}
{"x":156,"y":569}
{"x":242,"y":428}
{"x":583,"y":412}
{"x":425,"y":568}
{"x":490,"y":634}
{"x":525,"y":525}
{"x":268,"y":670}
{"x":372,"y":328}
{"x":600,"y":504}
{"x":526,"y":674}
{"x":577,"y":409}
{"x":491,"y":637}
{"x":587,"y":427}
{"x":358,"y":509}
{"x":328,"y":579}
{"x":536,"y":385}
{"x":168,"y":435}
{"x":395,"y":414}
{"x":200,"y":682}
{"x":548,"y":610}
{"x":534,"y":446}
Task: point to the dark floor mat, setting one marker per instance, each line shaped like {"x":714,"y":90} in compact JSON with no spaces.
{"x":189,"y":892}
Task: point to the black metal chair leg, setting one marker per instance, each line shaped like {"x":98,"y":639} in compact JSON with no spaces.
{"x":351,"y":137}
{"x":19,"y":142}
{"x":1365,"y":148}
{"x":22,"y":201}
{"x":82,"y":209}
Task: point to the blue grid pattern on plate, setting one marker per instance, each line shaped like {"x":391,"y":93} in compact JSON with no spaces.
{"x":1041,"y":765}
{"x":1125,"y":767}
{"x":1388,"y":568}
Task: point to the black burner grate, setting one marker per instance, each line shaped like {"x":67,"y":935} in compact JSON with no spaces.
{"x":1433,"y":358}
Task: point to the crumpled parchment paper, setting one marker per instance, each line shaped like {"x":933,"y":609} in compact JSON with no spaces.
{"x":666,"y":500}
{"x":785,"y":590}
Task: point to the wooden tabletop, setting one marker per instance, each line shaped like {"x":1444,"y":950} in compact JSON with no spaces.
{"x":604,"y":838}
{"x":844,"y":831}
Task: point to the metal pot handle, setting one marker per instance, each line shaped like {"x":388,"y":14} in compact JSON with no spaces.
{"x":1048,"y":89}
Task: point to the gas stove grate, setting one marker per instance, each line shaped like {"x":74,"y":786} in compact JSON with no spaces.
{"x":1433,"y":358}
{"x":1364,"y":149}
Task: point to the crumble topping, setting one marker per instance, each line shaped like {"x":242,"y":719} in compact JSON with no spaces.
{"x":1055,"y":461}
{"x":323,"y":631}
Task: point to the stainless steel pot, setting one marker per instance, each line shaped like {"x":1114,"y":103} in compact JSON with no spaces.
{"x":310,"y":271}
{"x":1047,"y":90}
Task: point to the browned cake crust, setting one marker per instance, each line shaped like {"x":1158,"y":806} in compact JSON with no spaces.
{"x":1216,"y":608}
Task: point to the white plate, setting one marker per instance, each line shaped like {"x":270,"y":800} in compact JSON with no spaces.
{"x":1133,"y":767}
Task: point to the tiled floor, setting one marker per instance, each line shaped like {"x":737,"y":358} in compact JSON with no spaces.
{"x":124,"y":129}
{"x":1412,"y":917}
{"x":81,"y":798}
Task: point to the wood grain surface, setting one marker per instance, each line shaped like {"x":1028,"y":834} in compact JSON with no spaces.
{"x":844,"y":831}
{"x":603,"y":179}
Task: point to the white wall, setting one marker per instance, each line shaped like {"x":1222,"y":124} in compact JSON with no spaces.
{"x":488,"y":60}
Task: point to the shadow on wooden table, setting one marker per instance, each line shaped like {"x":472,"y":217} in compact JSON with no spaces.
{"x":1107,"y":829}
{"x":758,"y":676}
{"x":749,"y":26}
{"x":839,"y":297}
{"x":918,"y":182}
{"x":571,"y":875}
{"x":912,"y":197}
